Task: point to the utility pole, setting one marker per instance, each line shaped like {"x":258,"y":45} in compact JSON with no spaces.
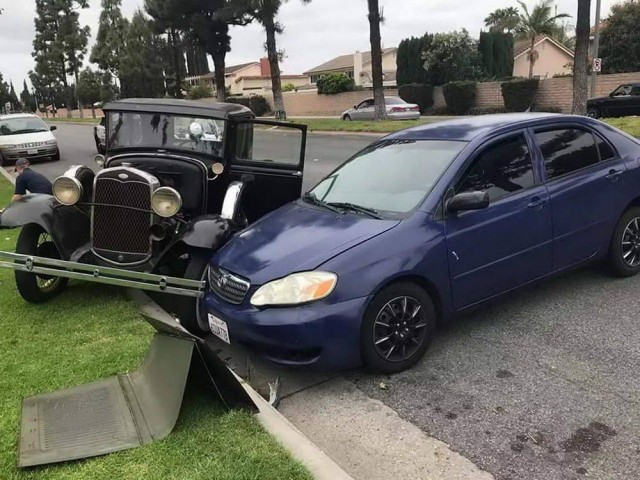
{"x":596,"y":47}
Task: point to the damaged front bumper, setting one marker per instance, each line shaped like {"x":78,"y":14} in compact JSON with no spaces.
{"x":99,"y":274}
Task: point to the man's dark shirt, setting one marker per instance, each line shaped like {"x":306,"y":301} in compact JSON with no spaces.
{"x":32,"y":181}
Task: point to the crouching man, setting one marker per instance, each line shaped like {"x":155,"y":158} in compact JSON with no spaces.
{"x":29,"y":181}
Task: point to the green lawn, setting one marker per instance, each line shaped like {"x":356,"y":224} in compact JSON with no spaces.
{"x":89,"y":120}
{"x":631,"y":125}
{"x":92,"y":332}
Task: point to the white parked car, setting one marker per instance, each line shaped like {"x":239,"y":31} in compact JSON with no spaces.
{"x":397,"y":109}
{"x":100,"y":136}
{"x":24,"y":135}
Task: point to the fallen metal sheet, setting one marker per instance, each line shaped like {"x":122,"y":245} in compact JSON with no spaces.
{"x":119,"y":413}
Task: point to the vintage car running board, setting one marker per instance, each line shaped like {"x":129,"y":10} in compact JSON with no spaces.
{"x":128,"y":410}
{"x":99,"y":274}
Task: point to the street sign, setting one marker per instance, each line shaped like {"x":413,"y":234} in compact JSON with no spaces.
{"x":597,"y":65}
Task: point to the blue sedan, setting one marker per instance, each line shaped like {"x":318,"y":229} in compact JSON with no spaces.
{"x":421,"y":225}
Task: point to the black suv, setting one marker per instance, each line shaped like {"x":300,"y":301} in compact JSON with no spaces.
{"x":178,"y":179}
{"x":624,"y":101}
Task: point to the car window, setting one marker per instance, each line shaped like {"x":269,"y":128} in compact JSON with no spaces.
{"x":256,"y":145}
{"x":567,"y":150}
{"x":20,"y":125}
{"x":622,"y":90}
{"x":635,"y":91}
{"x":606,"y":151}
{"x":365,"y":104}
{"x":503,"y":168}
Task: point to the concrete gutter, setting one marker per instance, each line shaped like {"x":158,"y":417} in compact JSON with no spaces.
{"x":8,"y":176}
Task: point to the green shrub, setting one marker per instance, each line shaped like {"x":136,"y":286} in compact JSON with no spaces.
{"x":460,"y":96}
{"x":333,"y":83}
{"x":520,"y":95}
{"x":257,"y":103}
{"x":486,"y":110}
{"x":288,"y":87}
{"x":200,"y":91}
{"x":419,"y":93}
{"x":436,"y":111}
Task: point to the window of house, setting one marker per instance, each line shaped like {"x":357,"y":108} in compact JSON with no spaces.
{"x":567,"y":150}
{"x":500,"y":170}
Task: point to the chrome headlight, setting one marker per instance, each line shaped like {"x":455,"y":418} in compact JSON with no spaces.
{"x":166,"y":202}
{"x":297,"y":288}
{"x":67,"y":190}
{"x":51,"y":142}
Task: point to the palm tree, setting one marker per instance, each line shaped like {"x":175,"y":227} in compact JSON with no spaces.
{"x":265,"y":12}
{"x":503,"y":19}
{"x":375,"y":18}
{"x":581,"y":58}
{"x":539,"y":21}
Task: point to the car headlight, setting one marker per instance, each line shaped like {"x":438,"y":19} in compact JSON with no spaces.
{"x":8,"y":146}
{"x":297,"y":288}
{"x":51,"y":142}
{"x":166,"y":202}
{"x":67,"y":190}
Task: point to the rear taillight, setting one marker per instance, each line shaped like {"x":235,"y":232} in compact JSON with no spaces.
{"x":415,"y":109}
{"x":397,"y":109}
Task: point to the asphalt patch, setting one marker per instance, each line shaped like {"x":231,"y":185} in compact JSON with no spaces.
{"x":589,"y":439}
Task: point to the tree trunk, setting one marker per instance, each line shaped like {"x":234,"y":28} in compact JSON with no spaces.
{"x":219,"y":66}
{"x":93,"y":110}
{"x":376,"y":60}
{"x":581,"y":58}
{"x":173,"y":39}
{"x":532,"y":58}
{"x":274,"y":64}
{"x":80,"y":104}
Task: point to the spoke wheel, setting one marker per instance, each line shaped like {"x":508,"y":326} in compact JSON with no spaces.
{"x":397,"y":328}
{"x":46,"y":248}
{"x":624,"y":250}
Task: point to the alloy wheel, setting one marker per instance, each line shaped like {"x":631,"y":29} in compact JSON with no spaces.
{"x":631,"y":243}
{"x":400,"y":329}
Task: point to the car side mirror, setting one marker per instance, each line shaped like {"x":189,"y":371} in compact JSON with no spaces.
{"x":463,"y":202}
{"x":53,"y":127}
{"x":355,"y":107}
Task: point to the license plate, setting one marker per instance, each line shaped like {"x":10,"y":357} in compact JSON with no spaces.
{"x":219,"y":328}
{"x":32,"y":152}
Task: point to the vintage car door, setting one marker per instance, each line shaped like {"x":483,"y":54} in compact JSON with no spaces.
{"x":269,"y":160}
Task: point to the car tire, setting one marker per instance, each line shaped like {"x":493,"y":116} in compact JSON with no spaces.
{"x":624,"y":251}
{"x":593,"y":113}
{"x":2,"y":164}
{"x":34,"y":240}
{"x":389,"y":339}
{"x":347,"y":118}
{"x":190,"y":311}
{"x":56,"y":157}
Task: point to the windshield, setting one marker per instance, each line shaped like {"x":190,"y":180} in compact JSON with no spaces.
{"x":164,"y":131}
{"x":16,"y":126}
{"x":392,"y":176}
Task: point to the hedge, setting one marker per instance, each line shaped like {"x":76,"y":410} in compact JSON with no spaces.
{"x":258,"y":104}
{"x":520,"y":95}
{"x":460,"y":96}
{"x":419,"y":93}
{"x":333,"y":83}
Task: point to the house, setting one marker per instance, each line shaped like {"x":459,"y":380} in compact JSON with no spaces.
{"x":553,"y":58}
{"x":358,"y":67}
{"x":251,"y":78}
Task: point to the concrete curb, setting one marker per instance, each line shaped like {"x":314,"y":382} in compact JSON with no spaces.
{"x":8,"y":176}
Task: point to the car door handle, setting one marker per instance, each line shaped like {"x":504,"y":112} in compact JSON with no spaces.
{"x":537,"y":203}
{"x":613,"y":174}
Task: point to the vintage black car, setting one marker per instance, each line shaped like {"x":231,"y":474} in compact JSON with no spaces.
{"x":178,"y":179}
{"x":624,"y":101}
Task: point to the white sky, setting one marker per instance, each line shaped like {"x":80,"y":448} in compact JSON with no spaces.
{"x":313,"y":33}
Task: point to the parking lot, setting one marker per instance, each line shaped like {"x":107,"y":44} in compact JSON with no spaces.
{"x":540,"y":385}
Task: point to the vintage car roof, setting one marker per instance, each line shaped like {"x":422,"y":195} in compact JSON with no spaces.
{"x":178,"y":106}
{"x":467,"y":128}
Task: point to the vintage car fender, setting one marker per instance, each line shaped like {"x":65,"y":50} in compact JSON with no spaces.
{"x":68,"y":226}
{"x":209,"y":231}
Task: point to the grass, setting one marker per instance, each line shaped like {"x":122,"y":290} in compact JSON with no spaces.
{"x":89,"y":120}
{"x":91,"y":332}
{"x":631,"y":125}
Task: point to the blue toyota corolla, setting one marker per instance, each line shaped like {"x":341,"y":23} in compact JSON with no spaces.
{"x":421,"y":225}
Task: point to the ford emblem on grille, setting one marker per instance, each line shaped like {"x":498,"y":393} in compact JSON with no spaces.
{"x":123,"y":176}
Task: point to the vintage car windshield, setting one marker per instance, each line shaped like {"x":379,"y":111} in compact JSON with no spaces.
{"x":166,"y":131}
{"x":19,"y":125}
{"x":390,"y":177}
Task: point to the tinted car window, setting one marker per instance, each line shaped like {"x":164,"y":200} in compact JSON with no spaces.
{"x":606,"y":152}
{"x":503,"y":168}
{"x":567,"y":150}
{"x":635,"y":91}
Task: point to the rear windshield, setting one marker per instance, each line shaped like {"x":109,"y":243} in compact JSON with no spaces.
{"x":164,"y":131}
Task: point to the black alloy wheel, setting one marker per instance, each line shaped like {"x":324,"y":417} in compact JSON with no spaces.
{"x":397,"y":328}
{"x":38,"y":288}
{"x":593,"y":113}
{"x":624,"y":251}
{"x":347,"y":118}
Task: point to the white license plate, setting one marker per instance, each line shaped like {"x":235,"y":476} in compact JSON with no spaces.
{"x":219,"y":328}
{"x":32,"y":152}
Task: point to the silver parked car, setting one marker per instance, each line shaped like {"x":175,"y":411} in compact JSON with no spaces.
{"x":24,"y":135}
{"x":397,"y":109}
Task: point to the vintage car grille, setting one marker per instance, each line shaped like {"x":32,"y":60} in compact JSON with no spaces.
{"x":122,"y":215}
{"x":227,"y":286}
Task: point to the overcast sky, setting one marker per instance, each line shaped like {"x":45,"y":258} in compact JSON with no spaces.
{"x":313,"y":33}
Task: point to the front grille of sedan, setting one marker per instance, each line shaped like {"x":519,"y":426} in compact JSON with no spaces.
{"x":121,"y":216}
{"x":228,"y":286}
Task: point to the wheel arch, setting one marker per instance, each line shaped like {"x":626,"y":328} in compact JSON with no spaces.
{"x":428,"y":286}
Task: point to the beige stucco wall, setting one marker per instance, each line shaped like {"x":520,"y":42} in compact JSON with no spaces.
{"x":551,"y":61}
{"x":230,"y":79}
{"x":389,"y":67}
{"x":248,"y":86}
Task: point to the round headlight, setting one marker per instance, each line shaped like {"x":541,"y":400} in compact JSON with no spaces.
{"x":67,"y":190}
{"x":166,"y":202}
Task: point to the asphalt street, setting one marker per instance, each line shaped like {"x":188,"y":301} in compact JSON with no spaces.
{"x":541,"y":385}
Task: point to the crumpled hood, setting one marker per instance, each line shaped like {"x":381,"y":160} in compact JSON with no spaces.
{"x":26,"y":138}
{"x":295,"y":238}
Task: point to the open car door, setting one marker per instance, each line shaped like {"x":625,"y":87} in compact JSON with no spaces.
{"x":269,"y":160}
